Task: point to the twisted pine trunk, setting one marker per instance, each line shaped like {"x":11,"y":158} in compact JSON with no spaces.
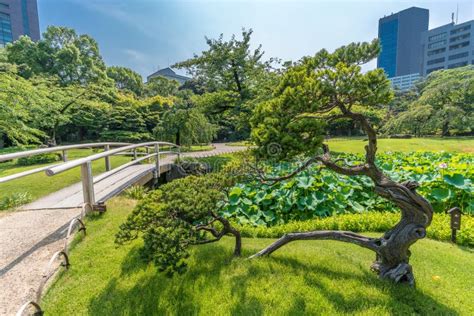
{"x":392,"y":249}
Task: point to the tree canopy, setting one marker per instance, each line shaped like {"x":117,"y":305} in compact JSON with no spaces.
{"x":444,"y":106}
{"x":230,"y":75}
{"x":73,"y":58}
{"x":309,"y":95}
{"x":126,"y":79}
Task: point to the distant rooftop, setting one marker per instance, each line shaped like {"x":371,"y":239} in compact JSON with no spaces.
{"x":168,"y":73}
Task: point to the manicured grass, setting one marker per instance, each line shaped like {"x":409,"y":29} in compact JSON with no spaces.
{"x":449,"y":144}
{"x":241,"y":143}
{"x":194,"y":148}
{"x":38,"y":184}
{"x":215,"y":162}
{"x":320,"y":277}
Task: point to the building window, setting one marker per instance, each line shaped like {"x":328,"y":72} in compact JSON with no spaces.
{"x":464,"y":63}
{"x":459,"y":37}
{"x":461,"y":29}
{"x":437,"y":37}
{"x":457,"y":56}
{"x":436,"y":61}
{"x":388,"y":35}
{"x":437,"y":44}
{"x":26,"y":20}
{"x":460,"y":45}
{"x":5,"y":29}
{"x":434,"y":69}
{"x":4,"y":5}
{"x":436,"y":51}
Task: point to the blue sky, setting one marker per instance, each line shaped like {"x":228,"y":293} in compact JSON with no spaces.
{"x":147,"y":34}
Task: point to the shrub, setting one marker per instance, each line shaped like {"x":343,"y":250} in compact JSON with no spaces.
{"x":15,"y":200}
{"x":181,"y":213}
{"x":39,"y":159}
{"x":365,"y":222}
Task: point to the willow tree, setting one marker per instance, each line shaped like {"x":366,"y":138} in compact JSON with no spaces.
{"x":321,"y":89}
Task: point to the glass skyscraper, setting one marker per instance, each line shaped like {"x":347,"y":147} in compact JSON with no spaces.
{"x":18,"y":17}
{"x":400,"y":40}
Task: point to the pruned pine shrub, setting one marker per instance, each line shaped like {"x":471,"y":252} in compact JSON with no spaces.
{"x":179,"y":214}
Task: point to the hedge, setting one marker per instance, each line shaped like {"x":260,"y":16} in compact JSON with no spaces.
{"x":366,"y":222}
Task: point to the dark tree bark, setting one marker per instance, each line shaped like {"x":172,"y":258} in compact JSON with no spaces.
{"x":391,"y":249}
{"x":227,"y":229}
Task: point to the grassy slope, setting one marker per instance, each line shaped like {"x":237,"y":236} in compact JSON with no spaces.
{"x":39,"y":184}
{"x":356,"y":144}
{"x":320,"y":277}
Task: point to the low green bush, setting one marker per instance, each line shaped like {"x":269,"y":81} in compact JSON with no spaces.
{"x":38,"y":159}
{"x":365,"y":222}
{"x":15,"y":200}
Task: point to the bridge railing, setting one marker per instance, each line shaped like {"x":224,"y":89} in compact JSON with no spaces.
{"x":63,"y":149}
{"x":86,"y":165}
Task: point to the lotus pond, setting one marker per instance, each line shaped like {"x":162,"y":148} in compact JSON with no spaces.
{"x":446,"y":180}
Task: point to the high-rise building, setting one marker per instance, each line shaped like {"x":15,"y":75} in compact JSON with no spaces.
{"x":18,"y":17}
{"x":400,"y":40}
{"x":448,"y":46}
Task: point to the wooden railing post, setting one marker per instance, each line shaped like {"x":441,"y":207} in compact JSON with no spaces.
{"x":64,"y":155}
{"x":157,"y":161}
{"x":135,"y":154}
{"x":87,"y":183}
{"x":107,"y":159}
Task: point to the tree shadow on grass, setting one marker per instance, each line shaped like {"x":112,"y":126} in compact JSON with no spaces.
{"x":403,"y":299}
{"x":154,"y":294}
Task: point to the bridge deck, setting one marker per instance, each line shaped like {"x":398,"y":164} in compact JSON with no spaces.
{"x":105,"y":189}
{"x":112,"y":185}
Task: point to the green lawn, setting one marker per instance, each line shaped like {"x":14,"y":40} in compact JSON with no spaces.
{"x":194,"y":148}
{"x":320,"y":277}
{"x":356,"y":144}
{"x":38,"y":184}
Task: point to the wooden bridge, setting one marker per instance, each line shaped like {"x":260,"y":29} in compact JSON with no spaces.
{"x":150,"y":160}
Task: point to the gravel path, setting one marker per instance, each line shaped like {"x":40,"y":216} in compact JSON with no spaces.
{"x":28,"y":239}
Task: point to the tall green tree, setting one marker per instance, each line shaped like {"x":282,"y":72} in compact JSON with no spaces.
{"x":328,"y":87}
{"x":185,"y":124}
{"x":73,"y":58}
{"x":231,"y":71}
{"x":18,"y":101}
{"x":445,"y":105}
{"x":126,"y":79}
{"x":125,"y":121}
{"x":161,"y":86}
